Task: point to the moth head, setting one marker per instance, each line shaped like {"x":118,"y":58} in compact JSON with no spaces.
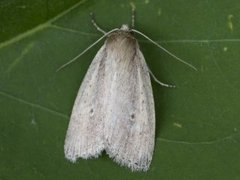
{"x":125,"y":27}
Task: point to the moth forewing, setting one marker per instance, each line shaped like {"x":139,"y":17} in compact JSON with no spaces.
{"x":85,"y":131}
{"x":130,"y":118}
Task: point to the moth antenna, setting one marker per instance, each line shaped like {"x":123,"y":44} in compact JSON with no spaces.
{"x":75,"y":58}
{"x":165,"y":50}
{"x":159,"y":82}
{"x":95,"y":24}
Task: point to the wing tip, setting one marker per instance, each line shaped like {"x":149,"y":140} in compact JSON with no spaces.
{"x":137,"y":164}
{"x":72,"y":153}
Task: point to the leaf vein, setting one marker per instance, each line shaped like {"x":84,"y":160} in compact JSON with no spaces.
{"x":39,"y":27}
{"x":229,"y":137}
{"x":21,"y":100}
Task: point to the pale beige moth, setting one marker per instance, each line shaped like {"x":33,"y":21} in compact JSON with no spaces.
{"x":114,"y":109}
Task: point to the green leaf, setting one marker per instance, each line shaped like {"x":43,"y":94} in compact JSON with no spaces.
{"x":197,"y":131}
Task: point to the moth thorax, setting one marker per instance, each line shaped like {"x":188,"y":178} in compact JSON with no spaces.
{"x":125,"y":27}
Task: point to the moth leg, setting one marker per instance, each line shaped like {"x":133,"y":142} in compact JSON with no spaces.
{"x":133,"y":15}
{"x":159,"y":82}
{"x":96,"y":25}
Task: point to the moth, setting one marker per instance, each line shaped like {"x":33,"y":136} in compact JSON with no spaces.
{"x":114,"y":109}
